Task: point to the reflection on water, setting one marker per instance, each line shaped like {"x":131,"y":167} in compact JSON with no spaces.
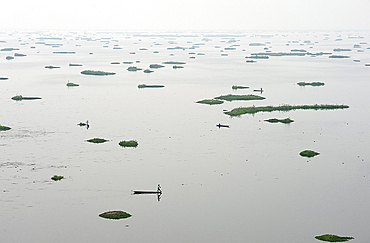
{"x":245,"y":184}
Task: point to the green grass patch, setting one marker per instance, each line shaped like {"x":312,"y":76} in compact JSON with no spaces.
{"x":133,"y":69}
{"x":57,"y":178}
{"x":275,"y":120}
{"x":239,"y":87}
{"x":231,"y":97}
{"x":333,"y":238}
{"x":308,"y":153}
{"x":4,"y":128}
{"x":141,"y":86}
{"x":115,"y":215}
{"x":97,"y":73}
{"x":210,"y":102}
{"x":131,"y":143}
{"x":75,"y":65}
{"x":97,"y":140}
{"x":312,"y":83}
{"x":253,"y":109}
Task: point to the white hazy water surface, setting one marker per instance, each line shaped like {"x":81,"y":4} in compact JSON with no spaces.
{"x":246,"y":183}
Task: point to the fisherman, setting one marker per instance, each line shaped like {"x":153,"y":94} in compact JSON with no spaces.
{"x":159,"y":189}
{"x":87,"y":124}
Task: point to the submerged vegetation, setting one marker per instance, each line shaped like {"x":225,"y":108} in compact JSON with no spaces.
{"x":115,"y":215}
{"x":97,"y":140}
{"x":141,"y":86}
{"x":231,"y":97}
{"x":131,"y":143}
{"x":275,"y":120}
{"x":308,"y":153}
{"x":239,"y":87}
{"x":312,"y":83}
{"x":4,"y":128}
{"x":57,"y":178}
{"x":97,"y":73}
{"x":210,"y":102}
{"x":253,"y":109}
{"x":333,"y":238}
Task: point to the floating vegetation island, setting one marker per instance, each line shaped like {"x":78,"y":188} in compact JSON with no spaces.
{"x":210,"y":102}
{"x":19,"y":55}
{"x":133,"y":69}
{"x":308,"y":153}
{"x":51,"y":67}
{"x":275,"y":120}
{"x":97,"y":140}
{"x":9,"y":58}
{"x":239,"y":87}
{"x":174,"y":63}
{"x":141,"y":86}
{"x":115,"y":215}
{"x":20,"y":97}
{"x":155,"y":66}
{"x":312,"y":83}
{"x":115,"y":63}
{"x":148,"y":71}
{"x":253,"y":109}
{"x":131,"y":143}
{"x":338,"y":56}
{"x":176,"y":67}
{"x":57,"y":178}
{"x":4,"y":78}
{"x":333,"y":238}
{"x":231,"y":97}
{"x":75,"y":65}
{"x":4,"y":128}
{"x":72,"y":84}
{"x":64,"y":52}
{"x":97,"y":73}
{"x":9,"y":49}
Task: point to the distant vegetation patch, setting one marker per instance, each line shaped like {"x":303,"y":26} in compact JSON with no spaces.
{"x":75,"y":65}
{"x":115,"y":215}
{"x":275,"y":120}
{"x":155,"y":66}
{"x":4,"y":78}
{"x":231,"y":97}
{"x":148,"y":71}
{"x":9,"y":58}
{"x":115,"y":63}
{"x":210,"y":102}
{"x":4,"y":128}
{"x":97,"y":73}
{"x":131,"y":143}
{"x":312,"y":83}
{"x":128,"y":62}
{"x":338,"y":56}
{"x":20,"y":97}
{"x":57,"y":178}
{"x":9,"y":49}
{"x":174,"y":63}
{"x":141,"y":86}
{"x":97,"y":140}
{"x":239,"y":87}
{"x":253,"y":109}
{"x":51,"y":67}
{"x":133,"y":69}
{"x":176,"y":67}
{"x":19,"y":55}
{"x":308,"y":153}
{"x":333,"y":238}
{"x":64,"y":52}
{"x":72,"y":84}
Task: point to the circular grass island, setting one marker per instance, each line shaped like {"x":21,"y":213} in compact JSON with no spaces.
{"x":308,"y":153}
{"x":97,"y":140}
{"x":131,"y":143}
{"x":115,"y":215}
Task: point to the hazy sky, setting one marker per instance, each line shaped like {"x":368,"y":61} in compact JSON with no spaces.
{"x":184,"y":15}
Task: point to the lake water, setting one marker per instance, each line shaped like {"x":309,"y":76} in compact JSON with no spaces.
{"x":246,"y":183}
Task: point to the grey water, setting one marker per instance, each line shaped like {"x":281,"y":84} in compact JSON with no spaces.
{"x":246,"y":183}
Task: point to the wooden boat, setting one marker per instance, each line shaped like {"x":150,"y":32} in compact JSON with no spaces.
{"x":159,"y":191}
{"x":220,"y":125}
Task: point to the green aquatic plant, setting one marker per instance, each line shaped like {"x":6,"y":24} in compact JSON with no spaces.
{"x":97,"y":140}
{"x":115,"y":215}
{"x":19,"y":55}
{"x":155,"y":66}
{"x":127,"y":62}
{"x":210,"y":102}
{"x":176,"y":67}
{"x":20,"y":97}
{"x":72,"y":84}
{"x":64,"y":52}
{"x":174,"y":63}
{"x":4,"y":78}
{"x":115,"y":63}
{"x":333,"y":238}
{"x":308,"y":153}
{"x":133,"y":69}
{"x":75,"y":65}
{"x":4,"y":128}
{"x":51,"y":67}
{"x":97,"y":73}
{"x":231,"y":97}
{"x":57,"y":178}
{"x":239,"y":87}
{"x":148,"y":71}
{"x":9,"y":49}
{"x":9,"y":58}
{"x":275,"y":120}
{"x":131,"y":143}
{"x":253,"y":109}
{"x":312,"y":83}
{"x":141,"y":86}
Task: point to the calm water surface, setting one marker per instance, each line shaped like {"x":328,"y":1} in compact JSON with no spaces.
{"x":242,"y":184}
